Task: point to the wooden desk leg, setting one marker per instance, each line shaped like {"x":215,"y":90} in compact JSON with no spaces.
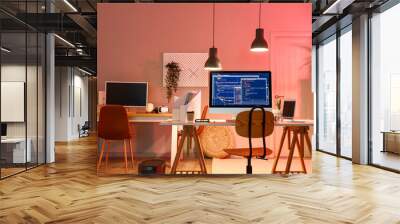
{"x":200,"y":152}
{"x":292,"y":146}
{"x":308,"y":141}
{"x":300,"y":147}
{"x":189,"y":143}
{"x":285,"y":130}
{"x":130,"y":147}
{"x":178,"y":152}
{"x":108,"y":149}
{"x":288,"y":142}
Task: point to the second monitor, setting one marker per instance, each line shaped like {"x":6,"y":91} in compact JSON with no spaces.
{"x":235,"y":91}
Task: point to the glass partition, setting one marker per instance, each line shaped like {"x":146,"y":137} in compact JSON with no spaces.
{"x":326,"y":96}
{"x":14,"y":153}
{"x":22,"y":88}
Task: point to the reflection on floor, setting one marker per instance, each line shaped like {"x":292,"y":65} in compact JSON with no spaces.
{"x":238,"y":165}
{"x":214,"y":166}
{"x":11,"y":169}
{"x":387,"y":159}
{"x":5,"y":172}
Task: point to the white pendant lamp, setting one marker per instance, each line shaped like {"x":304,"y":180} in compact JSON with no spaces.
{"x":213,"y":63}
{"x":259,"y":43}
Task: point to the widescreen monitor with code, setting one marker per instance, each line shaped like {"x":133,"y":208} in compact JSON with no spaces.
{"x":241,"y":89}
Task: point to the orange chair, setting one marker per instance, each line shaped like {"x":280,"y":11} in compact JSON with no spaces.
{"x":114,"y":126}
{"x":253,"y":124}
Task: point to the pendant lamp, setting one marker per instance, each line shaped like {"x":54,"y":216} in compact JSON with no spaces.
{"x":213,"y":63}
{"x":259,"y":43}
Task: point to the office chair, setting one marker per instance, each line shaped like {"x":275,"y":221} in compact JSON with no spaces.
{"x":114,"y":126}
{"x":253,"y":124}
{"x":84,"y":129}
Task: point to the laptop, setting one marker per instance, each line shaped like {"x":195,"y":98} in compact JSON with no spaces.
{"x":289,"y":107}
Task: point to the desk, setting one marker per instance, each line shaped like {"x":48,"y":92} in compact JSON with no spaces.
{"x":299,"y":129}
{"x":189,"y":129}
{"x":149,"y":140}
{"x":300,"y":135}
{"x":391,"y":141}
{"x":19,"y":155}
{"x":148,"y":117}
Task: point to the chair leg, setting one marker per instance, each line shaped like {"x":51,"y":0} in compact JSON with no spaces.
{"x":130,"y":147}
{"x":107,"y":154}
{"x":125,"y":157}
{"x":285,"y":130}
{"x":101,"y":155}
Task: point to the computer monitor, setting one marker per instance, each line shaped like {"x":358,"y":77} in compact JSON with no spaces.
{"x":130,"y":94}
{"x":3,"y":130}
{"x":234,"y":91}
{"x":288,"y":109}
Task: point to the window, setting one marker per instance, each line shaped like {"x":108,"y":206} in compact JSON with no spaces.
{"x":346,"y":93}
{"x":326,"y":96}
{"x":385,"y":89}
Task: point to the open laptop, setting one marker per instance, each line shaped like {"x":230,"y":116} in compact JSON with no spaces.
{"x":289,"y":107}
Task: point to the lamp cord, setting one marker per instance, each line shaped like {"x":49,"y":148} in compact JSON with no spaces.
{"x":213,"y":22}
{"x":259,"y":15}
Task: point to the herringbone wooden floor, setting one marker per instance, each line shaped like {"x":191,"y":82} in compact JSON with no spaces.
{"x":70,"y":192}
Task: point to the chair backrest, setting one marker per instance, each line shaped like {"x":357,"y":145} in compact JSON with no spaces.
{"x":113,"y":123}
{"x":242,"y":124}
{"x":86,"y":125}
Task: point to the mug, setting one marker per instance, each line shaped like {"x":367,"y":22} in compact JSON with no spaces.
{"x":190,"y":116}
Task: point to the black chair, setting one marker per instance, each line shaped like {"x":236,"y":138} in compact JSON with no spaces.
{"x":84,"y":130}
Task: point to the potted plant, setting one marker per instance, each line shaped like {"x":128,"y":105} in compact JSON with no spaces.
{"x":172,"y":78}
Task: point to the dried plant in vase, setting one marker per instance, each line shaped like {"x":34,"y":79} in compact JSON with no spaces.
{"x":172,"y":78}
{"x":278,"y":103}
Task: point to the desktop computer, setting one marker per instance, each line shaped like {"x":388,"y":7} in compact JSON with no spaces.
{"x":232,"y":92}
{"x":129,"y":94}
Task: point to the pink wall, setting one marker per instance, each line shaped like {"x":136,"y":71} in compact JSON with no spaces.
{"x":132,"y":38}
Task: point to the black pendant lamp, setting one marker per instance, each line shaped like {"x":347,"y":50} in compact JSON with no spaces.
{"x":213,"y":63}
{"x":259,"y":43}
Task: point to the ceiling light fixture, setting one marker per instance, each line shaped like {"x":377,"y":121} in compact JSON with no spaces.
{"x":64,"y":40}
{"x":70,"y":5}
{"x":213,"y":63}
{"x":84,"y":71}
{"x":259,"y":43}
{"x":5,"y":50}
{"x":337,"y":7}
